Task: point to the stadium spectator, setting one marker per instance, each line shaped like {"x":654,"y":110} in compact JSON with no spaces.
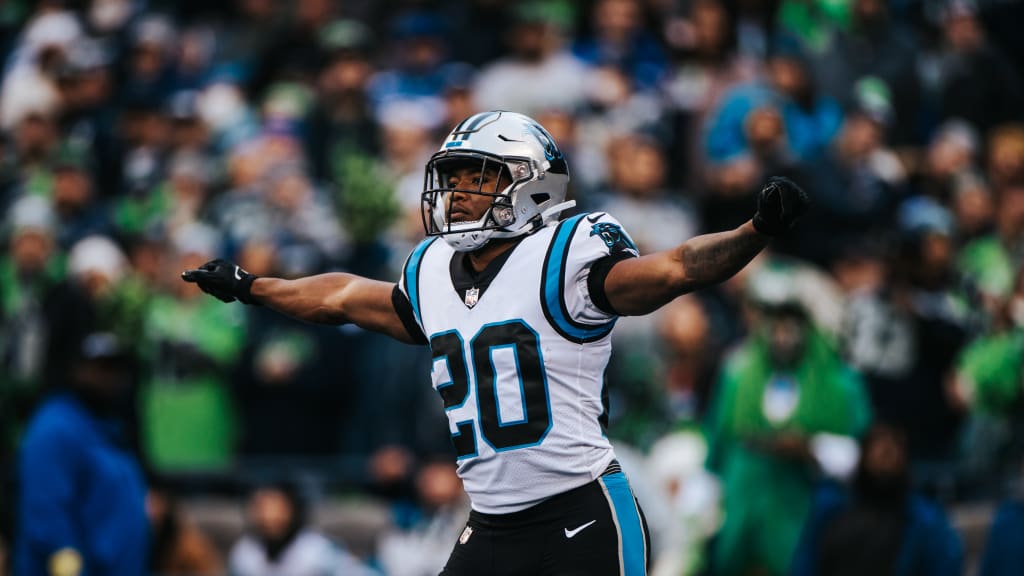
{"x":619,"y":38}
{"x":81,"y":505}
{"x":294,"y":51}
{"x":636,"y":192}
{"x":407,"y":136}
{"x":420,"y":42}
{"x":341,"y":121}
{"x":1006,"y":156}
{"x":152,"y":65}
{"x":80,"y":210}
{"x":188,"y":131}
{"x":988,"y":384}
{"x":704,"y":66}
{"x":784,"y":384}
{"x":691,"y":496}
{"x":293,"y":383}
{"x":178,"y":546}
{"x":879,"y":525}
{"x":28,"y":274}
{"x":905,"y":335}
{"x":99,"y":293}
{"x":281,"y":540}
{"x":973,"y":206}
{"x":188,"y":350}
{"x":953,"y":150}
{"x":977,"y":81}
{"x":861,"y":182}
{"x":875,"y":46}
{"x":28,"y":111}
{"x":992,"y":260}
{"x":1003,"y":552}
{"x":418,"y":544}
{"x":691,"y":348}
{"x":781,"y":118}
{"x":536,"y":56}
{"x":88,"y":112}
{"x":246,"y":39}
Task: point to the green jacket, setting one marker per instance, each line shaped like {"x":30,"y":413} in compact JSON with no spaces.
{"x":763,"y":489}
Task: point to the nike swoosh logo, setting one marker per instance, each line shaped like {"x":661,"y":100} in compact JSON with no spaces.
{"x":238,"y":273}
{"x":595,"y":217}
{"x":575,"y":531}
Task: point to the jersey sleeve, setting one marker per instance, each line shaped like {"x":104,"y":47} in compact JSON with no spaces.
{"x":403,"y":308}
{"x":597,"y":244}
{"x":406,"y":295}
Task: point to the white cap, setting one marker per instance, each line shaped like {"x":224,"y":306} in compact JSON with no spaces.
{"x":26,"y":92}
{"x":52,"y":29}
{"x":97,"y":254}
{"x":196,"y":238}
{"x":31,"y":213}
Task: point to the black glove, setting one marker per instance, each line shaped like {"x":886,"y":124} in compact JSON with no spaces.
{"x":779,"y":205}
{"x":224,"y":280}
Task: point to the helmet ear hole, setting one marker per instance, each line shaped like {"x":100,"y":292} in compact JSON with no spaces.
{"x":540,"y":197}
{"x":504,"y":214}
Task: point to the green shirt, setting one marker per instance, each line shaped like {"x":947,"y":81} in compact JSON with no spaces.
{"x":989,"y":263}
{"x":190,"y":347}
{"x":762,"y":489}
{"x":992,"y":367}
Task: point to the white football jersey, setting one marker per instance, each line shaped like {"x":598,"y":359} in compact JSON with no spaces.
{"x":520,"y":366}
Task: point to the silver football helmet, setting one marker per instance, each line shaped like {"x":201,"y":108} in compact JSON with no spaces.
{"x":532,"y":179}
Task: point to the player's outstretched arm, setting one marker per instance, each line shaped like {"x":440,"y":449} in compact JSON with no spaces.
{"x":334,"y":298}
{"x":642,"y":285}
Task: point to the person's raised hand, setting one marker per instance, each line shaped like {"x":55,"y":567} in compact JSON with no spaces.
{"x":222,"y":279}
{"x":780,"y":203}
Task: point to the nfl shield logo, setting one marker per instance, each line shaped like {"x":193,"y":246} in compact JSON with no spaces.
{"x":472,"y":295}
{"x":465,"y":535}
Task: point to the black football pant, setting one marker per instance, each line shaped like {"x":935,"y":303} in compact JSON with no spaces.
{"x":597,"y":529}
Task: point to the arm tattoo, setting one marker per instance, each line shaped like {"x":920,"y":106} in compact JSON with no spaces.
{"x":712,"y":258}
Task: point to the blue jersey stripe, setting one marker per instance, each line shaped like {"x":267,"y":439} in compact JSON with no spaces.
{"x":634,"y":544}
{"x":551,"y":289}
{"x":412,"y":276}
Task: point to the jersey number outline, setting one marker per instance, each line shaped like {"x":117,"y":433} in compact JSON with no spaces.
{"x":501,"y":436}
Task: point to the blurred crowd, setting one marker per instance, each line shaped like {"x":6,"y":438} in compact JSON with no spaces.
{"x":847,"y":389}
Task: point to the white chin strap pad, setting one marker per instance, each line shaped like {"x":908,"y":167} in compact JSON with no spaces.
{"x":467,"y":241}
{"x":554,"y":210}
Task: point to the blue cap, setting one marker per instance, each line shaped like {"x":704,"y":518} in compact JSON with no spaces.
{"x":923,"y":215}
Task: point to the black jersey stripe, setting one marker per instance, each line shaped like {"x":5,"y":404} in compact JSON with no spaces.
{"x":552,"y":294}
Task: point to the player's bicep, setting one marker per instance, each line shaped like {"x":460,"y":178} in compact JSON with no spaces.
{"x":641,"y":285}
{"x":369,"y":304}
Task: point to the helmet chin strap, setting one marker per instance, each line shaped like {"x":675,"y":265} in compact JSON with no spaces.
{"x":554,"y":210}
{"x":461,"y":242}
{"x":537,"y":222}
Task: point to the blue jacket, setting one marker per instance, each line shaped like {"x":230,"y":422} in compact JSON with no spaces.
{"x":1004,"y":549}
{"x":79,"y":490}
{"x":930,"y":545}
{"x":808,"y":132}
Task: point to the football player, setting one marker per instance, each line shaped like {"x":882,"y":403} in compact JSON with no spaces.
{"x":518,"y":307}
